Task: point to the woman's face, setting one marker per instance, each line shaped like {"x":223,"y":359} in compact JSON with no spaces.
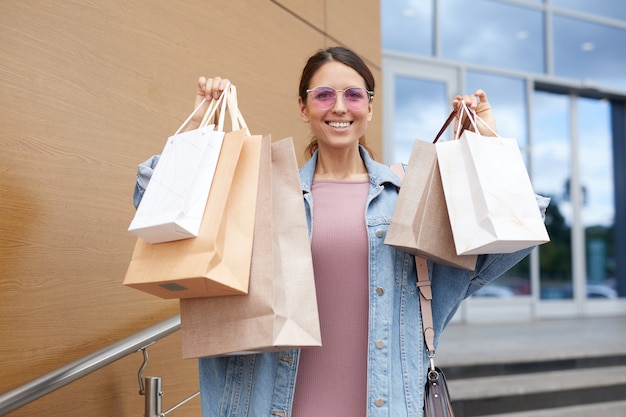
{"x":339,"y":126}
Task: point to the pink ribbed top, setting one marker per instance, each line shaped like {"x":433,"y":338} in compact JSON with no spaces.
{"x":332,"y":380}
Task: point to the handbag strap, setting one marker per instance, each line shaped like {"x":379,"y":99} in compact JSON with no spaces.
{"x":426,"y":296}
{"x":423,"y":283}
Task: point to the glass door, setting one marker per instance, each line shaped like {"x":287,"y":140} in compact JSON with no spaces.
{"x":573,"y":162}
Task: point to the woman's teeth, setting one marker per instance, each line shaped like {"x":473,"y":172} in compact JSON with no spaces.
{"x":339,"y":124}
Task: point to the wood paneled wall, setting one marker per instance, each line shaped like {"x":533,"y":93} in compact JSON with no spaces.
{"x":88,"y":89}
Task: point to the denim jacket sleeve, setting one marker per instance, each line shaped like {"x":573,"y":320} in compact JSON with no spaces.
{"x":144,"y":173}
{"x":452,"y":285}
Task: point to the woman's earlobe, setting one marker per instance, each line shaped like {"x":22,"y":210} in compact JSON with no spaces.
{"x":304,"y":112}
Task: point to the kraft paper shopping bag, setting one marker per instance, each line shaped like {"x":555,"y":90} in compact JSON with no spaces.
{"x":280,"y":310}
{"x":420,"y":224}
{"x":217,"y":261}
{"x":490,"y":199}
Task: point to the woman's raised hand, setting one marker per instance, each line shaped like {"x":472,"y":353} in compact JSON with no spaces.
{"x":209,"y":88}
{"x":480,"y":104}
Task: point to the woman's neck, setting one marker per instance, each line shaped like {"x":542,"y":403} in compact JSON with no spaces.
{"x":340,"y":165}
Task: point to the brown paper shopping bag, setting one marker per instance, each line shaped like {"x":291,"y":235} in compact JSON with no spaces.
{"x":280,"y":310}
{"x":217,"y":262}
{"x":420,"y":224}
{"x":490,"y":199}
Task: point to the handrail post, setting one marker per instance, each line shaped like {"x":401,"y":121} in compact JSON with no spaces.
{"x":154,"y":394}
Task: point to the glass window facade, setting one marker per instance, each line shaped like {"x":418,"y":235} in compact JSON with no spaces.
{"x":407,"y":25}
{"x":613,"y":9}
{"x":556,"y":77}
{"x":585,"y":44}
{"x":410,"y":121}
{"x":589,"y":52}
{"x":490,"y":33}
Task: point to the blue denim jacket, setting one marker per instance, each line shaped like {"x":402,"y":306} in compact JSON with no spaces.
{"x":263,"y":384}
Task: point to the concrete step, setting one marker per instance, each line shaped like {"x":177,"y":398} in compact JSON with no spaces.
{"x":537,"y":390}
{"x":537,"y":369}
{"x":604,"y":409}
{"x":510,"y":368}
{"x":534,"y":341}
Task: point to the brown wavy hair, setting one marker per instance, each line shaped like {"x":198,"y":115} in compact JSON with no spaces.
{"x":336,"y":54}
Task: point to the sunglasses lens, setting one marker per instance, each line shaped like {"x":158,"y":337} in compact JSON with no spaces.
{"x":323,"y":97}
{"x":356,"y":98}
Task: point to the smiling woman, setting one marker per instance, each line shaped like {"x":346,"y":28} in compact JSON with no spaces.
{"x":326,"y":68}
{"x":373,"y":355}
{"x":337,"y":128}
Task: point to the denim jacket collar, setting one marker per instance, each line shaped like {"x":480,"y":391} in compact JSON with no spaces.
{"x":379,"y":173}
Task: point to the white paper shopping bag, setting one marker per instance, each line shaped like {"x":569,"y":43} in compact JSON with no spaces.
{"x":490,"y":199}
{"x":173,"y":203}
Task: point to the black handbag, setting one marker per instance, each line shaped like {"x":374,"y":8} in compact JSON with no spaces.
{"x":436,"y":397}
{"x":437,"y":401}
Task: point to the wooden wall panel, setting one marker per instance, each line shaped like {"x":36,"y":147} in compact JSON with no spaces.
{"x":88,"y":90}
{"x":312,"y":12}
{"x":355,"y":27}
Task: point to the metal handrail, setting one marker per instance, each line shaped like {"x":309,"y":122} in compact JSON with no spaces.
{"x":61,"y":377}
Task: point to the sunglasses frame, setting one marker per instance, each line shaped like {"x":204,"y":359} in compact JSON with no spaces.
{"x":369,"y":93}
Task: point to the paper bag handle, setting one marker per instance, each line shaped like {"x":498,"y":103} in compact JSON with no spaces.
{"x":236,"y":118}
{"x":211,"y":115}
{"x":226,"y":101}
{"x":478,"y":119}
{"x":449,"y":120}
{"x":208,"y":115}
{"x":472,"y":118}
{"x":464,"y":110}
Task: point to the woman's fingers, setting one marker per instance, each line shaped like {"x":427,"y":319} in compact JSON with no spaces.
{"x":212,"y":88}
{"x":479,"y":103}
